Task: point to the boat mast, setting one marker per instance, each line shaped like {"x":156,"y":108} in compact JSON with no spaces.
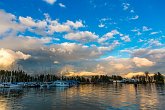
{"x":11,"y":75}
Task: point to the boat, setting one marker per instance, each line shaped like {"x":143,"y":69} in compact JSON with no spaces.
{"x":61,"y":83}
{"x":32,"y":84}
{"x":10,"y":85}
{"x":45,"y":84}
{"x":1,"y":85}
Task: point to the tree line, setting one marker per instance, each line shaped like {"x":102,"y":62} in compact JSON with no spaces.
{"x":21,"y":76}
{"x":156,"y":78}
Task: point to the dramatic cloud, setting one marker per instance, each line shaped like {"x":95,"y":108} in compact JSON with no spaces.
{"x":8,"y":57}
{"x":58,"y":44}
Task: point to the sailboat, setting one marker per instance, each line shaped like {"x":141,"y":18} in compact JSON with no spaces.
{"x":62,"y":83}
{"x":10,"y":84}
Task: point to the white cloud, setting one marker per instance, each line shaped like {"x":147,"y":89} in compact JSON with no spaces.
{"x":126,"y":38}
{"x":50,"y":1}
{"x":8,"y":57}
{"x":82,"y":36}
{"x":58,"y":28}
{"x":67,"y":26}
{"x":62,"y":5}
{"x":108,"y":35}
{"x":48,"y":26}
{"x":153,"y":33}
{"x":76,"y":25}
{"x":142,"y":62}
{"x":132,"y":11}
{"x":145,"y":28}
{"x":140,"y":40}
{"x":111,"y":34}
{"x":23,"y":42}
{"x":110,"y":47}
{"x":28,"y":21}
{"x":135,"y":17}
{"x":8,"y":23}
{"x":125,"y":6}
{"x":153,"y":42}
{"x":101,"y":25}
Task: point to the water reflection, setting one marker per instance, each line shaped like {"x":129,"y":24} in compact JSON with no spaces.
{"x":6,"y":94}
{"x":86,"y":97}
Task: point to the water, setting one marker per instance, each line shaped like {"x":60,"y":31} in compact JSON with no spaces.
{"x":86,"y":97}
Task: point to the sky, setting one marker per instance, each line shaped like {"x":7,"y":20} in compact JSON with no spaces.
{"x":92,"y":36}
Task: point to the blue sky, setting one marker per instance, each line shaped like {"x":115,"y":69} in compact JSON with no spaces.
{"x":106,"y":28}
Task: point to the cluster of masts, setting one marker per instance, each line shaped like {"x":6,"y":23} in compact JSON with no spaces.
{"x":57,"y":83}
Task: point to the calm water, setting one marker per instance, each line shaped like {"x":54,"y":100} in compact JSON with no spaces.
{"x":86,"y":97}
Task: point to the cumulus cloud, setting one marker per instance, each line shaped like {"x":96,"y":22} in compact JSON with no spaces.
{"x":76,"y":25}
{"x":110,"y":47}
{"x":67,"y":26}
{"x":8,"y":23}
{"x":41,"y":49}
{"x":154,"y":54}
{"x":140,"y":62}
{"x":23,"y":42}
{"x":30,"y":22}
{"x":8,"y":57}
{"x":82,"y":36}
{"x":50,"y":1}
{"x":108,"y":35}
{"x":48,"y":26}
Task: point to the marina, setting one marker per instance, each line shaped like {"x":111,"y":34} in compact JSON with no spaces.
{"x":82,"y":55}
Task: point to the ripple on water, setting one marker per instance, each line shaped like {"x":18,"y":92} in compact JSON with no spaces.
{"x":86,"y":97}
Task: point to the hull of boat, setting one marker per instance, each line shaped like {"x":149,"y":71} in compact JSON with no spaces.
{"x":9,"y":86}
